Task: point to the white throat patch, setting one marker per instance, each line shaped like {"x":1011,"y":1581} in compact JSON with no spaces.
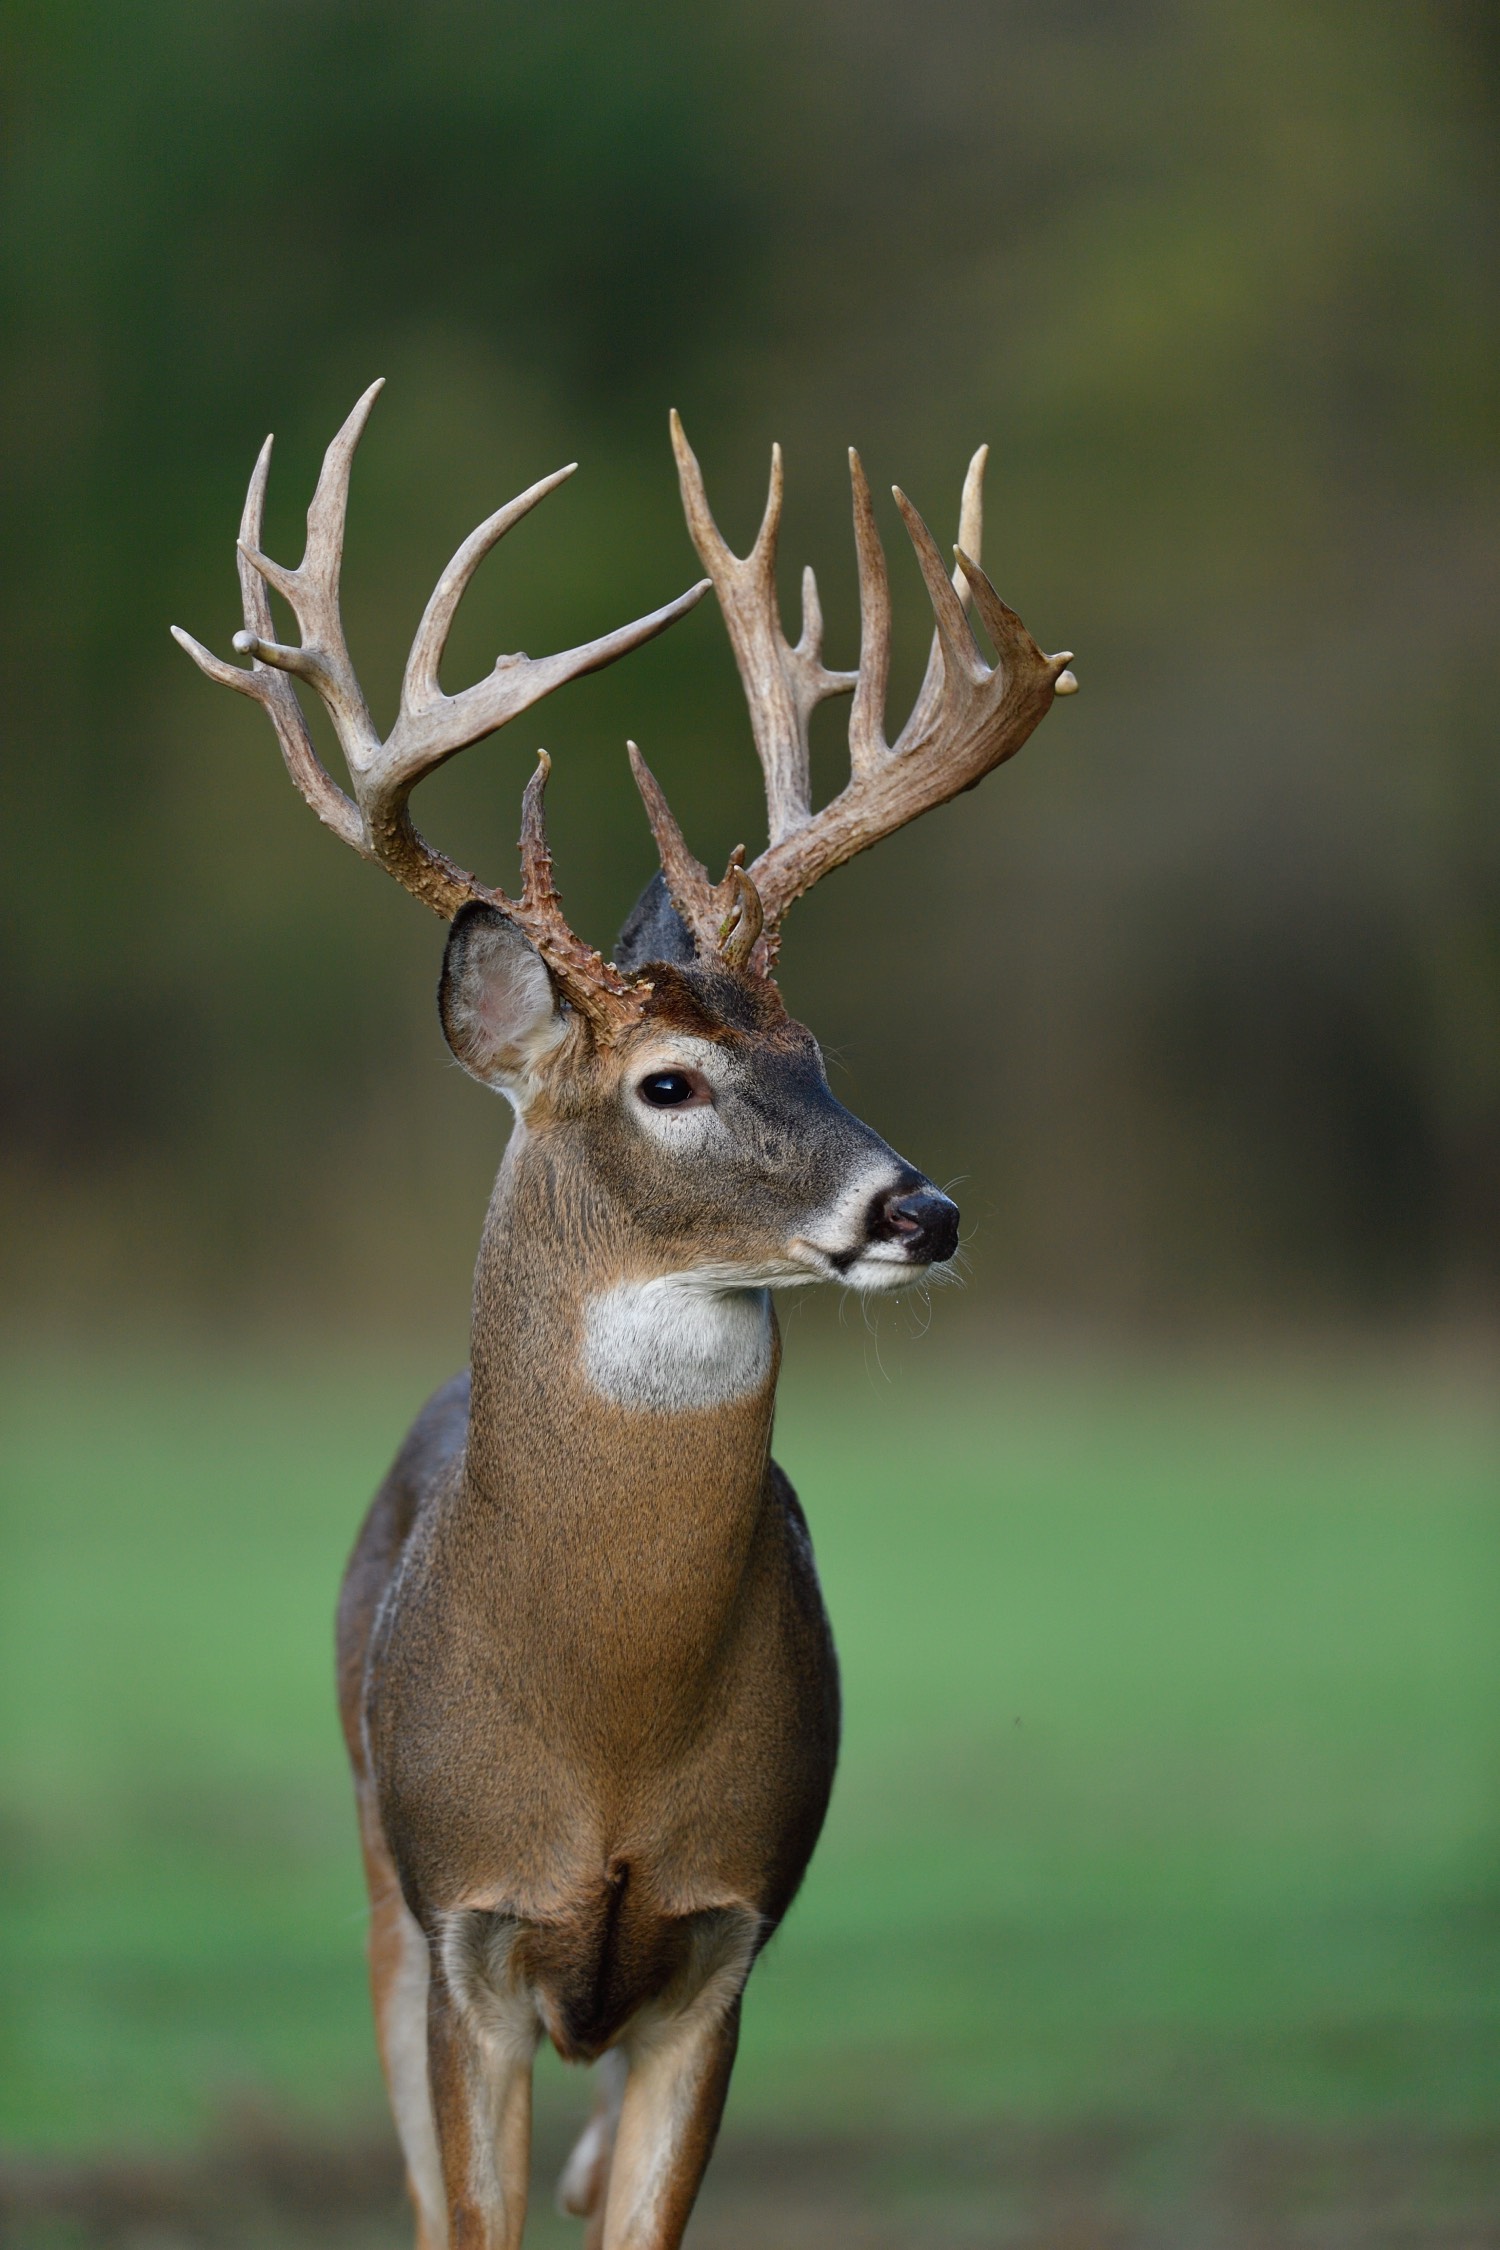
{"x":677,"y":1343}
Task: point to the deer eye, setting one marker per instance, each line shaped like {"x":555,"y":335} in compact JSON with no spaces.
{"x":673,"y":1089}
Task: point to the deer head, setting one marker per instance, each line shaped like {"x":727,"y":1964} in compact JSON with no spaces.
{"x":672,"y":1077}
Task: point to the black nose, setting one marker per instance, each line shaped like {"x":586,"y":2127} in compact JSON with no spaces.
{"x":924,"y":1221}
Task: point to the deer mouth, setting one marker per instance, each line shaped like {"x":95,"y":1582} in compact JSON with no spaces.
{"x":869,"y":1267}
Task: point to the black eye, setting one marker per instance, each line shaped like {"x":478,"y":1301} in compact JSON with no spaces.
{"x":672,"y":1089}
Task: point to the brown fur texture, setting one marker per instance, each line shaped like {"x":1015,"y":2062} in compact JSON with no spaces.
{"x":587,"y":1680}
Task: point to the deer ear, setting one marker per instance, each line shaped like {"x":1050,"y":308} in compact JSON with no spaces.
{"x":496,"y":1000}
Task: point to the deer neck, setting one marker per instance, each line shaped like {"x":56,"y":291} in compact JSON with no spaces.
{"x":611,"y":1401}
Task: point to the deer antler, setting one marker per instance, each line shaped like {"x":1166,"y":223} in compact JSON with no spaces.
{"x":430,"y":726}
{"x":783,"y":684}
{"x":968,"y":718}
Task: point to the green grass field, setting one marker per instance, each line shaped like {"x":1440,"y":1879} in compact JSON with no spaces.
{"x":1171,"y":1784}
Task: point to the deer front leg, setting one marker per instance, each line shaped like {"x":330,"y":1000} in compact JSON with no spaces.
{"x":482,"y":2034}
{"x":680,"y":2052}
{"x":399,"y":1979}
{"x":674,"y":2098}
{"x":585,"y":2176}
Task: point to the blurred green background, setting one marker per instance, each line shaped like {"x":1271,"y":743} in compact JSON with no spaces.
{"x":1171,"y":1785}
{"x":1200,"y":994}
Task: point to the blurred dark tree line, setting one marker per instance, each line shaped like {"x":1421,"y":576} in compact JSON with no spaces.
{"x":1200,"y":996}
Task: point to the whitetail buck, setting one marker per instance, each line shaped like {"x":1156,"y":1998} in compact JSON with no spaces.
{"x":587,"y":1681}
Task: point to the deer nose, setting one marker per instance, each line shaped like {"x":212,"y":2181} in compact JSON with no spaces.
{"x":924,"y":1222}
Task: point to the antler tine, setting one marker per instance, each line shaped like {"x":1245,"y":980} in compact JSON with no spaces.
{"x":951,"y":628}
{"x":740,"y":930}
{"x":813,"y":682}
{"x":430,"y":726}
{"x":712,"y":548}
{"x":971,"y":540}
{"x":593,"y":984}
{"x":687,"y":879}
{"x":253,"y":595}
{"x":867,"y":743}
{"x":968,"y":718}
{"x":783,"y":684}
{"x":267,"y":685}
{"x":419,"y":686}
{"x":1005,"y":629}
{"x":971,"y":511}
{"x":810,"y":641}
{"x":724,"y":919}
{"x":312,"y":589}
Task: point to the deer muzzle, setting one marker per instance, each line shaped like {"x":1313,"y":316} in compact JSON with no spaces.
{"x":922,"y":1221}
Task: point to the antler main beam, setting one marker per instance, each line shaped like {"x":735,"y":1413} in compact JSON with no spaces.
{"x":430,"y":727}
{"x":968,"y":718}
